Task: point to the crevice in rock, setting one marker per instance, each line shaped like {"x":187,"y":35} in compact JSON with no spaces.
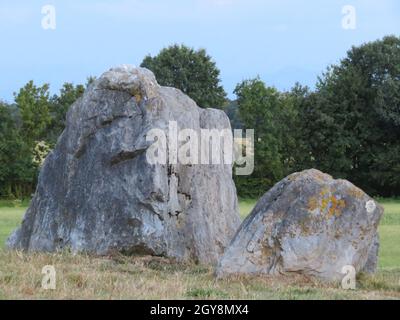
{"x":83,"y":145}
{"x":186,"y":195}
{"x":152,"y":209}
{"x":125,"y":156}
{"x":107,"y":122}
{"x":174,"y":207}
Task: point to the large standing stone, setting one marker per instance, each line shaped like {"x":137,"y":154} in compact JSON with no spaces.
{"x":308,"y":223}
{"x":98,"y":193}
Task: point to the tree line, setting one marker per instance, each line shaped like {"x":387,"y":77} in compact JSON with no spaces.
{"x":348,"y":126}
{"x":29,"y":129}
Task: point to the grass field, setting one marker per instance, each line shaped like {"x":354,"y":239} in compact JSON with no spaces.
{"x":120,"y":277}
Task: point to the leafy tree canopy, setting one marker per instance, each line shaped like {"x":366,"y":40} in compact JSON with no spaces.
{"x":192,"y":71}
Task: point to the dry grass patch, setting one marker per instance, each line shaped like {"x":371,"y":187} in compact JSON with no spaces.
{"x":122,"y":277}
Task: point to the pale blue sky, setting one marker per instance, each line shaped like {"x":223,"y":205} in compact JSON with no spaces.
{"x":283,"y":41}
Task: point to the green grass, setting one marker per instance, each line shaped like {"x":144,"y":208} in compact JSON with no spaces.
{"x":389,"y":230}
{"x":245,"y":207}
{"x":392,"y":211}
{"x":120,"y":277}
{"x":389,"y":253}
{"x":11,"y":213}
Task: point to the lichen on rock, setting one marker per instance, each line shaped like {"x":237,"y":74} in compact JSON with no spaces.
{"x":308,"y":223}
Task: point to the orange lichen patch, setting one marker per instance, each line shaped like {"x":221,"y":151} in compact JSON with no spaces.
{"x":355,"y":192}
{"x":293,"y":176}
{"x":324,"y":204}
{"x":324,"y":191}
{"x":312,"y":203}
{"x":329,"y":204}
{"x":336,"y":207}
{"x":138,"y":97}
{"x":305,"y":228}
{"x":319,"y":175}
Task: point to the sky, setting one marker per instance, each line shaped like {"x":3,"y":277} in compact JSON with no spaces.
{"x":282,"y":41}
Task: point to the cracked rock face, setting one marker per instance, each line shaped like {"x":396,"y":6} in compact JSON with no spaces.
{"x":307,"y":223}
{"x":98,"y":193}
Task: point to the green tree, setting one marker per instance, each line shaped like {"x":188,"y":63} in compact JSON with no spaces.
{"x":193,"y":72}
{"x":299,"y":119}
{"x":232,"y":111}
{"x":59,"y":106}
{"x":34,"y":108}
{"x":17,"y":172}
{"x":27,"y":130}
{"x":355,"y":127}
{"x":7,"y":131}
{"x":265,"y":110}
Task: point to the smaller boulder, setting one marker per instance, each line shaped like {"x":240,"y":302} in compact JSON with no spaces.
{"x":308,"y":223}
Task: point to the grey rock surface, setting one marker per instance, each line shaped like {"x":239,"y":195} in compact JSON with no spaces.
{"x":97,"y":192}
{"x":308,"y":223}
{"x":372,"y":261}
